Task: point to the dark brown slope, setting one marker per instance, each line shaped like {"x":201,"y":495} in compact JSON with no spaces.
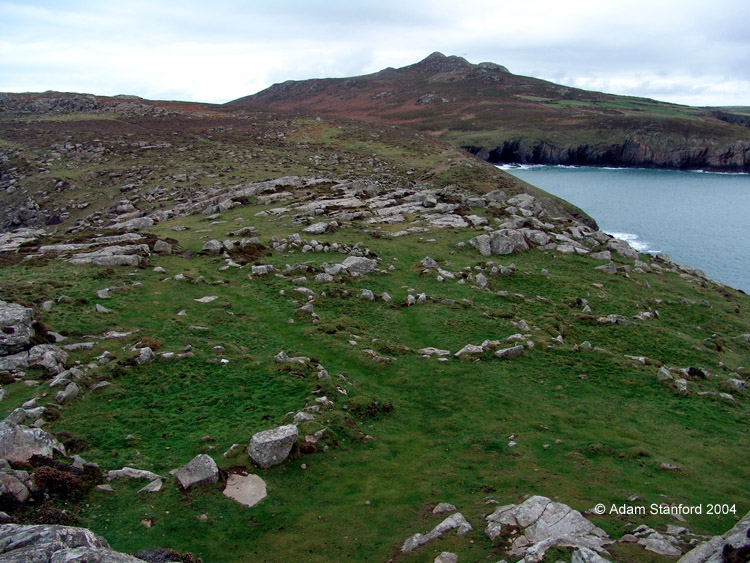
{"x":67,"y":159}
{"x":504,"y":117}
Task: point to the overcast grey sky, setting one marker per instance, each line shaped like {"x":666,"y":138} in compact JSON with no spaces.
{"x":684,"y":51}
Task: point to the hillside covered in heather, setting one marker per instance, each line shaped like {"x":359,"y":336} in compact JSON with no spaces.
{"x":504,"y":117}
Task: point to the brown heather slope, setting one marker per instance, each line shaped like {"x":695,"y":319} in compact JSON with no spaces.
{"x":504,"y":117}
{"x":66,"y":159}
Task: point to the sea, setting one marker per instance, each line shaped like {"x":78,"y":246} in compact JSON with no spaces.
{"x":701,"y":219}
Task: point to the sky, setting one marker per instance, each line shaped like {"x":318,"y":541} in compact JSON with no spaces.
{"x":687,"y":51}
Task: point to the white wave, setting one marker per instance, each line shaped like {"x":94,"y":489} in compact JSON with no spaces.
{"x":513,"y":166}
{"x":718,"y":173}
{"x":635,"y":241}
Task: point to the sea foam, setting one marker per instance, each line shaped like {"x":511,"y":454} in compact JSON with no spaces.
{"x":634,"y":241}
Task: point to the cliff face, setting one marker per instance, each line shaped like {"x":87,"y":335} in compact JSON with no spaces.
{"x":630,"y":154}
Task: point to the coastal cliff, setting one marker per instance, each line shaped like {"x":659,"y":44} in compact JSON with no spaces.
{"x":629,"y":154}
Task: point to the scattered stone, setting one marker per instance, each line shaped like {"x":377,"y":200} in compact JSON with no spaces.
{"x":271,"y":447}
{"x":443,"y":507}
{"x":213,"y":246}
{"x":262,"y":270}
{"x":207,"y":299}
{"x":68,"y":394}
{"x":433,"y":352}
{"x":316,"y":228}
{"x":469,"y":350}
{"x":494,"y":530}
{"x":162,"y":247}
{"x":282,"y":358}
{"x":131,"y":473}
{"x":245,"y":489}
{"x":358,"y":265}
{"x":201,"y":469}
{"x":454,"y":522}
{"x":586,"y":555}
{"x":446,"y":557}
{"x":512,"y":352}
{"x":662,"y":545}
{"x":153,"y":487}
{"x":145,"y":355}
{"x":547,"y":524}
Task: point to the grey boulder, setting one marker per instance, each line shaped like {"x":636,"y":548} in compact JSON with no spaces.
{"x":358,"y":265}
{"x":15,"y":327}
{"x":271,"y":447}
{"x":201,"y":469}
{"x":19,"y":443}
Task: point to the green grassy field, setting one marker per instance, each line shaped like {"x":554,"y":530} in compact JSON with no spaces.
{"x":405,"y":432}
{"x":446,"y":438}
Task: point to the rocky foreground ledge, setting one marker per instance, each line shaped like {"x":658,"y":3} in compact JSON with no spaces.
{"x":546,"y":524}
{"x":48,"y":544}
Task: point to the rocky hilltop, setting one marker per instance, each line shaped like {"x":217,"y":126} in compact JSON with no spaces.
{"x":232,"y":334}
{"x":503,"y":117}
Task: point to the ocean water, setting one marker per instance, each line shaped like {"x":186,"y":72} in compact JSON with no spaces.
{"x":700,"y":219}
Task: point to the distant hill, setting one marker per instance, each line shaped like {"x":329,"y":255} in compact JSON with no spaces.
{"x":504,"y":117}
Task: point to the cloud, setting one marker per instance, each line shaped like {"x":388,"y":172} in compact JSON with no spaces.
{"x":230,"y":48}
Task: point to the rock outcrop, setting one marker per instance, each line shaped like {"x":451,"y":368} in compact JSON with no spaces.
{"x":545,"y":524}
{"x":56,"y":544}
{"x":19,"y":443}
{"x":732,"y":546}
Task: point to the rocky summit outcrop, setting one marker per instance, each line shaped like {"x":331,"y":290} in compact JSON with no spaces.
{"x":64,"y":102}
{"x":56,"y":544}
